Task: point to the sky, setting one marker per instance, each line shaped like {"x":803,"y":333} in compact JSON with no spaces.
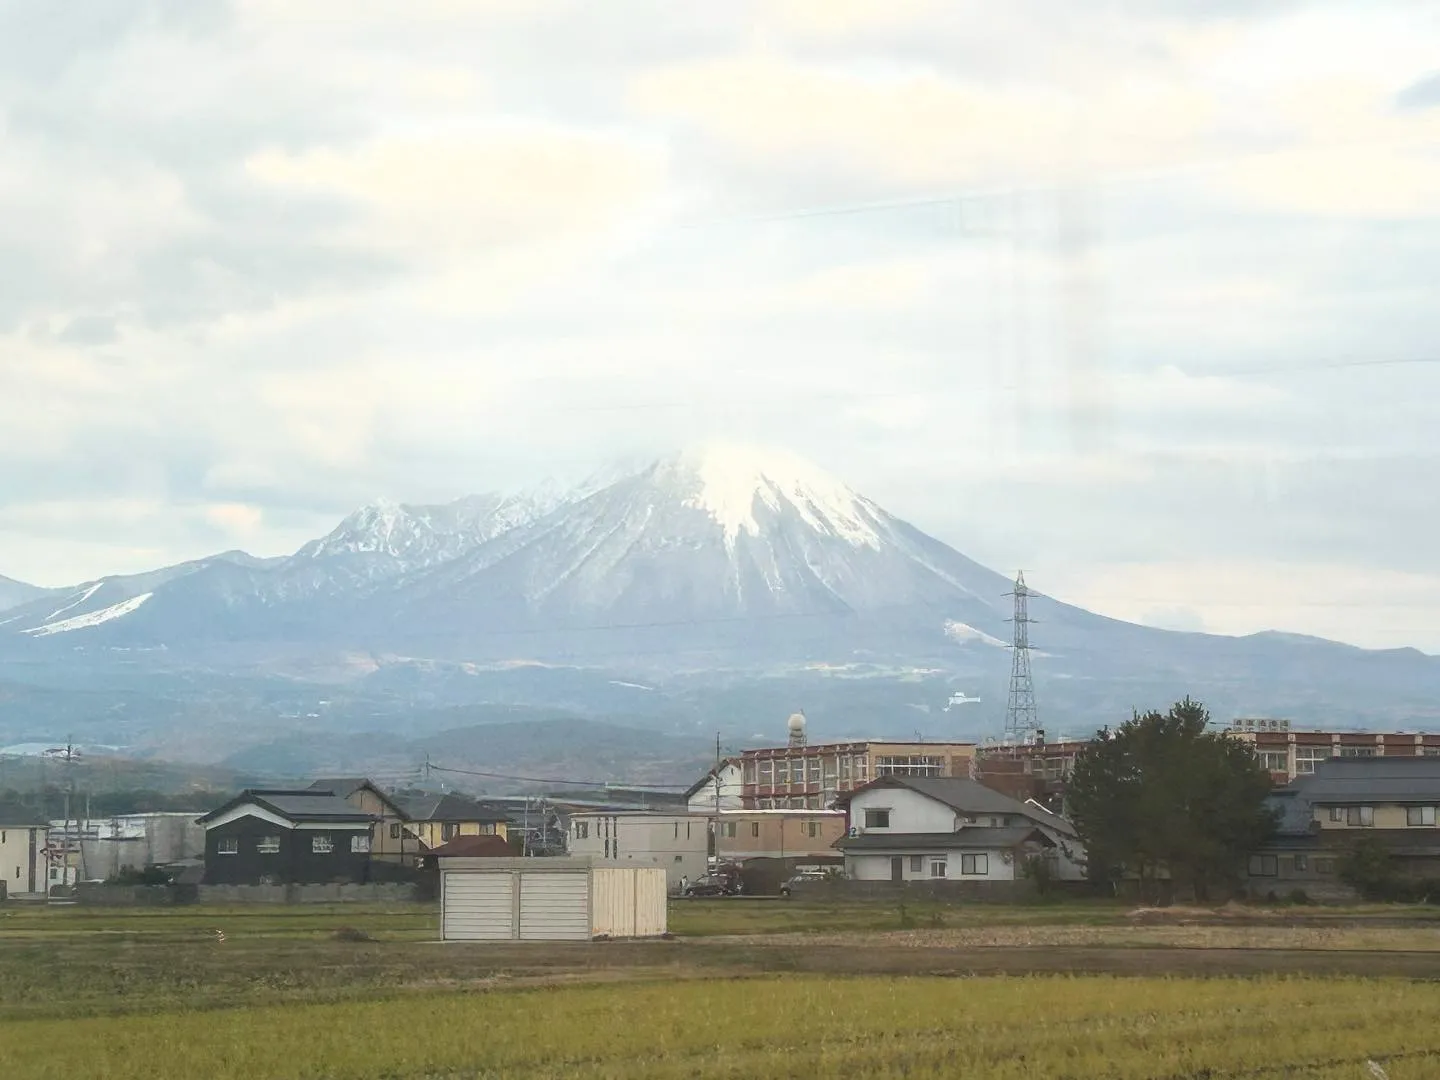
{"x":1136,"y":296}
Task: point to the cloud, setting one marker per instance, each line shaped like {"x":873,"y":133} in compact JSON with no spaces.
{"x":462,"y":246}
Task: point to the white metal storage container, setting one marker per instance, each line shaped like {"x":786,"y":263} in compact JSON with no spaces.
{"x":548,"y":900}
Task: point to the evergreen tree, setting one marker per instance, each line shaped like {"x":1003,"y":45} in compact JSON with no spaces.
{"x":1162,"y":793}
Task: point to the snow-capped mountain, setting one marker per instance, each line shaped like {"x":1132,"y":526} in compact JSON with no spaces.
{"x":420,"y":536}
{"x":725,"y":558}
{"x":703,"y":537}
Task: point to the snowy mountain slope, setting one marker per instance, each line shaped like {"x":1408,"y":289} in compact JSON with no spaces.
{"x":767,"y":543}
{"x":419,"y":536}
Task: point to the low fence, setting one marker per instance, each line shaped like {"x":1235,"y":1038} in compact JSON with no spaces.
{"x":101,"y":895}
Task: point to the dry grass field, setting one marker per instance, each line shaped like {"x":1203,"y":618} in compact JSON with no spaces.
{"x":746,"y":990}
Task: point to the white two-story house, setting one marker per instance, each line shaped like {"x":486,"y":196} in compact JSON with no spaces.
{"x":912,"y":828}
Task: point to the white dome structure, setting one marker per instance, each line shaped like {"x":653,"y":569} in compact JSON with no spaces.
{"x":796,"y":728}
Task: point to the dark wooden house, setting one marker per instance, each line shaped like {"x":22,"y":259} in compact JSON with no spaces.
{"x":267,"y":837}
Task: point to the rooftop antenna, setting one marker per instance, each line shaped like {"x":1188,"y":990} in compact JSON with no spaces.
{"x":1021,"y":723}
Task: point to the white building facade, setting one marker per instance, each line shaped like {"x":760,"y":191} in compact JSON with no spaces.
{"x":24,"y":864}
{"x":678,"y":843}
{"x":720,"y":789}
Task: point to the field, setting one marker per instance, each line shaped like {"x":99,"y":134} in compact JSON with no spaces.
{"x":746,"y":990}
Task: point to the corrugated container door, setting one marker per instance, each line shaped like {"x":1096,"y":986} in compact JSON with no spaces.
{"x":554,"y":906}
{"x":613,"y":902}
{"x":478,"y":906}
{"x":651,"y":902}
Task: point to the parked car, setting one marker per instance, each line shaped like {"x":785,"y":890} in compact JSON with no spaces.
{"x":802,"y":877}
{"x":713,"y":885}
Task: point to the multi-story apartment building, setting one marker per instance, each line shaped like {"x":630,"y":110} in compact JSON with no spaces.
{"x":1290,"y":753}
{"x":800,"y":776}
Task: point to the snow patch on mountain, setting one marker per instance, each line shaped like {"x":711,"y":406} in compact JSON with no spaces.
{"x":93,"y":618}
{"x":420,"y":536}
{"x":960,"y":632}
{"x":731,"y":480}
{"x":85,"y":595}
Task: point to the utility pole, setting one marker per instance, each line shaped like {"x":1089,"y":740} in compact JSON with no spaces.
{"x":68,"y":756}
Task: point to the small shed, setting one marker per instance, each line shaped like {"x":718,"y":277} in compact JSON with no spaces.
{"x":548,"y":899}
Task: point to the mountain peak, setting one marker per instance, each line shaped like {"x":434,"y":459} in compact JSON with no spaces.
{"x":728,"y":481}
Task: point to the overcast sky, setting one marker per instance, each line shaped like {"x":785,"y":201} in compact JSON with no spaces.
{"x":1070,"y":286}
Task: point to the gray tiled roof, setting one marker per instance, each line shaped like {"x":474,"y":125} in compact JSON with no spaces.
{"x":1375,"y":780}
{"x":343,"y":786}
{"x":450,"y":807}
{"x":972,"y":837}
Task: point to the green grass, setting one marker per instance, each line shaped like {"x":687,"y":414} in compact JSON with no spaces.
{"x":982,"y":1029}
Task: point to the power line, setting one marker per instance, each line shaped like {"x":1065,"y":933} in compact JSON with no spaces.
{"x":555,"y":780}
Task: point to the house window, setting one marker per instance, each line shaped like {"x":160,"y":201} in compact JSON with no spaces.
{"x":767,"y":773}
{"x":1420,"y":815}
{"x":1357,"y":751}
{"x":1430,"y":751}
{"x":749,"y":773}
{"x":1307,"y":756}
{"x":975,"y":865}
{"x":877,"y":819}
{"x":582,"y":830}
{"x":2,"y":836}
{"x":321,"y":844}
{"x":812,"y":829}
{"x":812,"y":772}
{"x":1264,"y":866}
{"x":1360,"y":815}
{"x":488,"y":829}
{"x":1324,"y":866}
{"x":754,"y":830}
{"x":359,"y":844}
{"x":782,"y":773}
{"x":268,"y":845}
{"x":677,"y":830}
{"x":447,"y":831}
{"x":1302,"y":863}
{"x":1274,"y":760}
{"x":228,"y":845}
{"x":394,"y":830}
{"x":917,"y":864}
{"x":729,"y":830}
{"x":1337,"y":813}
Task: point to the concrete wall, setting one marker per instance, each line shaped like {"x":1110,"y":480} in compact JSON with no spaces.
{"x":99,"y":894}
{"x":306,"y":894}
{"x":971,"y":890}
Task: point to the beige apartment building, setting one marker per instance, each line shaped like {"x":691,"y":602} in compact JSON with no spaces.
{"x":778,"y":834}
{"x":811,"y":777}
